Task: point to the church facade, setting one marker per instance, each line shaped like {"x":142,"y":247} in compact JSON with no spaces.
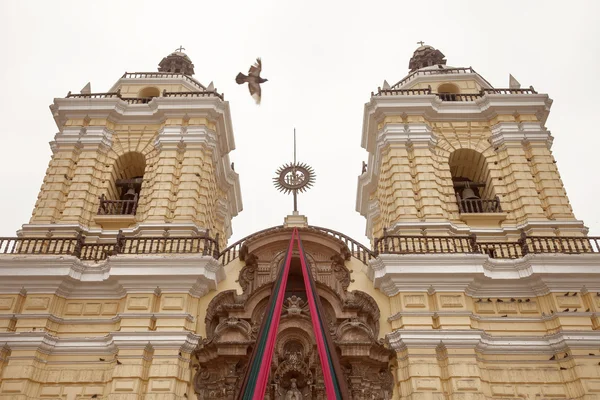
{"x":478,"y":281}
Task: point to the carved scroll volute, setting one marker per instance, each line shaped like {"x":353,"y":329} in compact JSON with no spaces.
{"x":248,"y":273}
{"x":341,"y":273}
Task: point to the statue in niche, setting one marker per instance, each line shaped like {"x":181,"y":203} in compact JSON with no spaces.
{"x":293,"y":392}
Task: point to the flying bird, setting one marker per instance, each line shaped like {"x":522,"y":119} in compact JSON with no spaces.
{"x":254,"y":80}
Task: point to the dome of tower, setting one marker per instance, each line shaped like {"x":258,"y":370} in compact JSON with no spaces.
{"x":426,"y":56}
{"x":177,"y":62}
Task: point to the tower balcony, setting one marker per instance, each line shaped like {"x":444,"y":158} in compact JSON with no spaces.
{"x":143,"y":100}
{"x":122,"y":245}
{"x":400,"y":244}
{"x":451,"y":96}
{"x":478,"y":206}
{"x":118,"y":207}
{"x":120,"y":213}
{"x":477,"y":212}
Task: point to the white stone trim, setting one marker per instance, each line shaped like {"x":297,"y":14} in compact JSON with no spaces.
{"x":104,"y":345}
{"x":69,"y":277}
{"x":416,"y":227}
{"x":87,"y":137}
{"x":159,"y":109}
{"x":434,"y":109}
{"x":506,"y":134}
{"x":494,"y":344}
{"x":89,"y":320}
{"x":480,"y":276}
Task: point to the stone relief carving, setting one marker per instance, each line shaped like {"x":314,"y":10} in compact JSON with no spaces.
{"x":247,"y":273}
{"x":352,"y":317}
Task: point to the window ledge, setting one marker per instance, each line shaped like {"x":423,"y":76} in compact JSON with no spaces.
{"x":115,"y":221}
{"x":483,"y":219}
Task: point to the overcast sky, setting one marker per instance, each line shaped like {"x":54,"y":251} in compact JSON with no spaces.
{"x":322,"y":59}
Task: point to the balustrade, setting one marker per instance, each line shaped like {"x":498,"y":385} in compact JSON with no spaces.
{"x":117,"y":207}
{"x":76,"y":246}
{"x":399,"y":244}
{"x":478,"y":205}
{"x":388,"y":244}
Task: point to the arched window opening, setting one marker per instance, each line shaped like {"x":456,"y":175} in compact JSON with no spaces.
{"x":448,"y":92}
{"x":149,"y":92}
{"x":126,"y":184}
{"x":473,"y":183}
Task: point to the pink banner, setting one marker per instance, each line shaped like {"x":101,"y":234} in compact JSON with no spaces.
{"x":265,"y":368}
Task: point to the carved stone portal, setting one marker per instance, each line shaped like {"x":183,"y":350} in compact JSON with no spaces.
{"x":233,"y":320}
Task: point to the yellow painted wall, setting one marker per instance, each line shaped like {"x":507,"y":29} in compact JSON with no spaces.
{"x":415,"y":183}
{"x":462,"y":373}
{"x":179,"y":185}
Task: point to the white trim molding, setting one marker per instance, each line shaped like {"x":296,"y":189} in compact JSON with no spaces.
{"x":101,"y":345}
{"x":69,"y":277}
{"x":492,"y":344}
{"x":481,"y":276}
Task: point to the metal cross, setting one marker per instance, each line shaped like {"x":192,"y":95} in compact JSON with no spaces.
{"x":421,"y":43}
{"x":180,"y":48}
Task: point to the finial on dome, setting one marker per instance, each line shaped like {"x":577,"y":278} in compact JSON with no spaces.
{"x":425,"y":56}
{"x":177,"y":62}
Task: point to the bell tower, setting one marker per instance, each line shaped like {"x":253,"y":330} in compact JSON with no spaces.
{"x":148,"y":157}
{"x":449,"y":154}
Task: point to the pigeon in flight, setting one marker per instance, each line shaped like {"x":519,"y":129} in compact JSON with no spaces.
{"x":254,"y":80}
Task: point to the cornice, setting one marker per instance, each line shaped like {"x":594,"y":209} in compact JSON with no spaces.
{"x":513,"y":134}
{"x":481,"y":276}
{"x":433,"y":109}
{"x":415,"y":135}
{"x":108,"y":344}
{"x":87,"y":320}
{"x":68,"y":277}
{"x":402,"y":339}
{"x":156,"y":111}
{"x":493,"y":344}
{"x":83,"y":138}
{"x":171,"y":137}
{"x":575,"y":226}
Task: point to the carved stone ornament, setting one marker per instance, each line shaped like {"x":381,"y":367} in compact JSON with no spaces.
{"x":352,"y":318}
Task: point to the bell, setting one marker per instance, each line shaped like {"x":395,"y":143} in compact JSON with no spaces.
{"x":468,"y":193}
{"x":130,"y":194}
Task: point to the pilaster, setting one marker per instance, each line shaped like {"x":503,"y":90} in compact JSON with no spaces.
{"x":69,"y":194}
{"x":538,"y":195}
{"x":408,"y":190}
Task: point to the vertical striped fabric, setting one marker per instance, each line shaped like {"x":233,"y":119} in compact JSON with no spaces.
{"x":257,"y":375}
